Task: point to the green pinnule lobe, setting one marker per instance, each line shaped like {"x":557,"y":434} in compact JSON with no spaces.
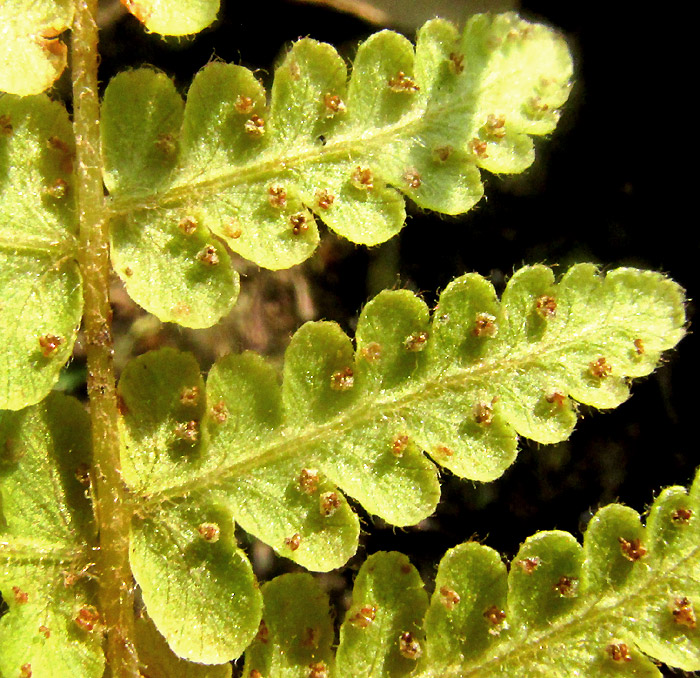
{"x":624,"y":601}
{"x":174,"y":17}
{"x":296,"y":633}
{"x":32,"y":56}
{"x":381,"y":634}
{"x":198,"y":587}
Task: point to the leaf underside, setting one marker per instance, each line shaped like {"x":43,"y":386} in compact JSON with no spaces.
{"x":46,"y":542}
{"x":32,"y":56}
{"x":296,"y":632}
{"x":460,"y":386}
{"x":41,"y":301}
{"x":174,"y":17}
{"x":227,"y":167}
{"x":628,"y":597}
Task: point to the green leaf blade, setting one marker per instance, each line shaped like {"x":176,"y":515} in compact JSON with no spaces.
{"x":606,"y":342}
{"x":417,"y":124}
{"x":334,"y":191}
{"x":467,"y":610}
{"x":607,"y":609}
{"x":296,"y":633}
{"x":45,"y":543}
{"x":537,"y":598}
{"x":380,"y":636}
{"x":41,"y":634}
{"x":167,"y":439}
{"x":42,"y":288}
{"x":298,"y":112}
{"x":162,"y":401}
{"x":174,"y":267}
{"x":609,"y":548}
{"x":670,"y":633}
{"x":672,"y":525}
{"x":379,"y":61}
{"x":298,"y":512}
{"x":311,"y":390}
{"x":30,"y":28}
{"x":169,"y":260}
{"x":142,"y":115}
{"x":287,"y":504}
{"x":319,"y":384}
{"x":157,"y":660}
{"x":174,"y":17}
{"x":387,"y":324}
{"x":198,"y":588}
{"x":253,"y":216}
{"x":534,"y":61}
{"x":43,"y":458}
{"x":457,"y":388}
{"x":401,"y":486}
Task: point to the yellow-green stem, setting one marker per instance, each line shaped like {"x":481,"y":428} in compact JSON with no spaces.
{"x":111,"y":510}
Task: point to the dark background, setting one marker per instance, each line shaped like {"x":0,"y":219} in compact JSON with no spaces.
{"x":604,"y":188}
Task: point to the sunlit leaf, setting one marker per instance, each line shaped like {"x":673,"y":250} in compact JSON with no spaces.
{"x":198,"y":587}
{"x":41,"y":289}
{"x":628,"y":596}
{"x":460,"y":386}
{"x":32,"y":56}
{"x":407,"y":123}
{"x":157,"y":660}
{"x":174,"y":17}
{"x":616,"y":607}
{"x":295,"y":636}
{"x":171,"y":264}
{"x":381,"y":633}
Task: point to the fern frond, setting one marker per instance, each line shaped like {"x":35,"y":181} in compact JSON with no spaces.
{"x":226,"y":166}
{"x":42,"y":301}
{"x":627,"y":598}
{"x":52,"y":627}
{"x":31,"y":55}
{"x":460,"y":387}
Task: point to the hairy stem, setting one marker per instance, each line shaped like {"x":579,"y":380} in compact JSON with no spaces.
{"x":111,"y":510}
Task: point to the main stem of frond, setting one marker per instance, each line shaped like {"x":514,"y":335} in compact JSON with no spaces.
{"x":112,"y":513}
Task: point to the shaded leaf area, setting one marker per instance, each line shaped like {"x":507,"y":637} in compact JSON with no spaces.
{"x":613,"y":607}
{"x":31,"y":54}
{"x":174,"y":17}
{"x":229,"y":166}
{"x":157,"y":660}
{"x":460,"y":386}
{"x":40,"y":285}
{"x":52,"y":627}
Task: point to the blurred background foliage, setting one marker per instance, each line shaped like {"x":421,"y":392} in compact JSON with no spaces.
{"x":599,"y":191}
